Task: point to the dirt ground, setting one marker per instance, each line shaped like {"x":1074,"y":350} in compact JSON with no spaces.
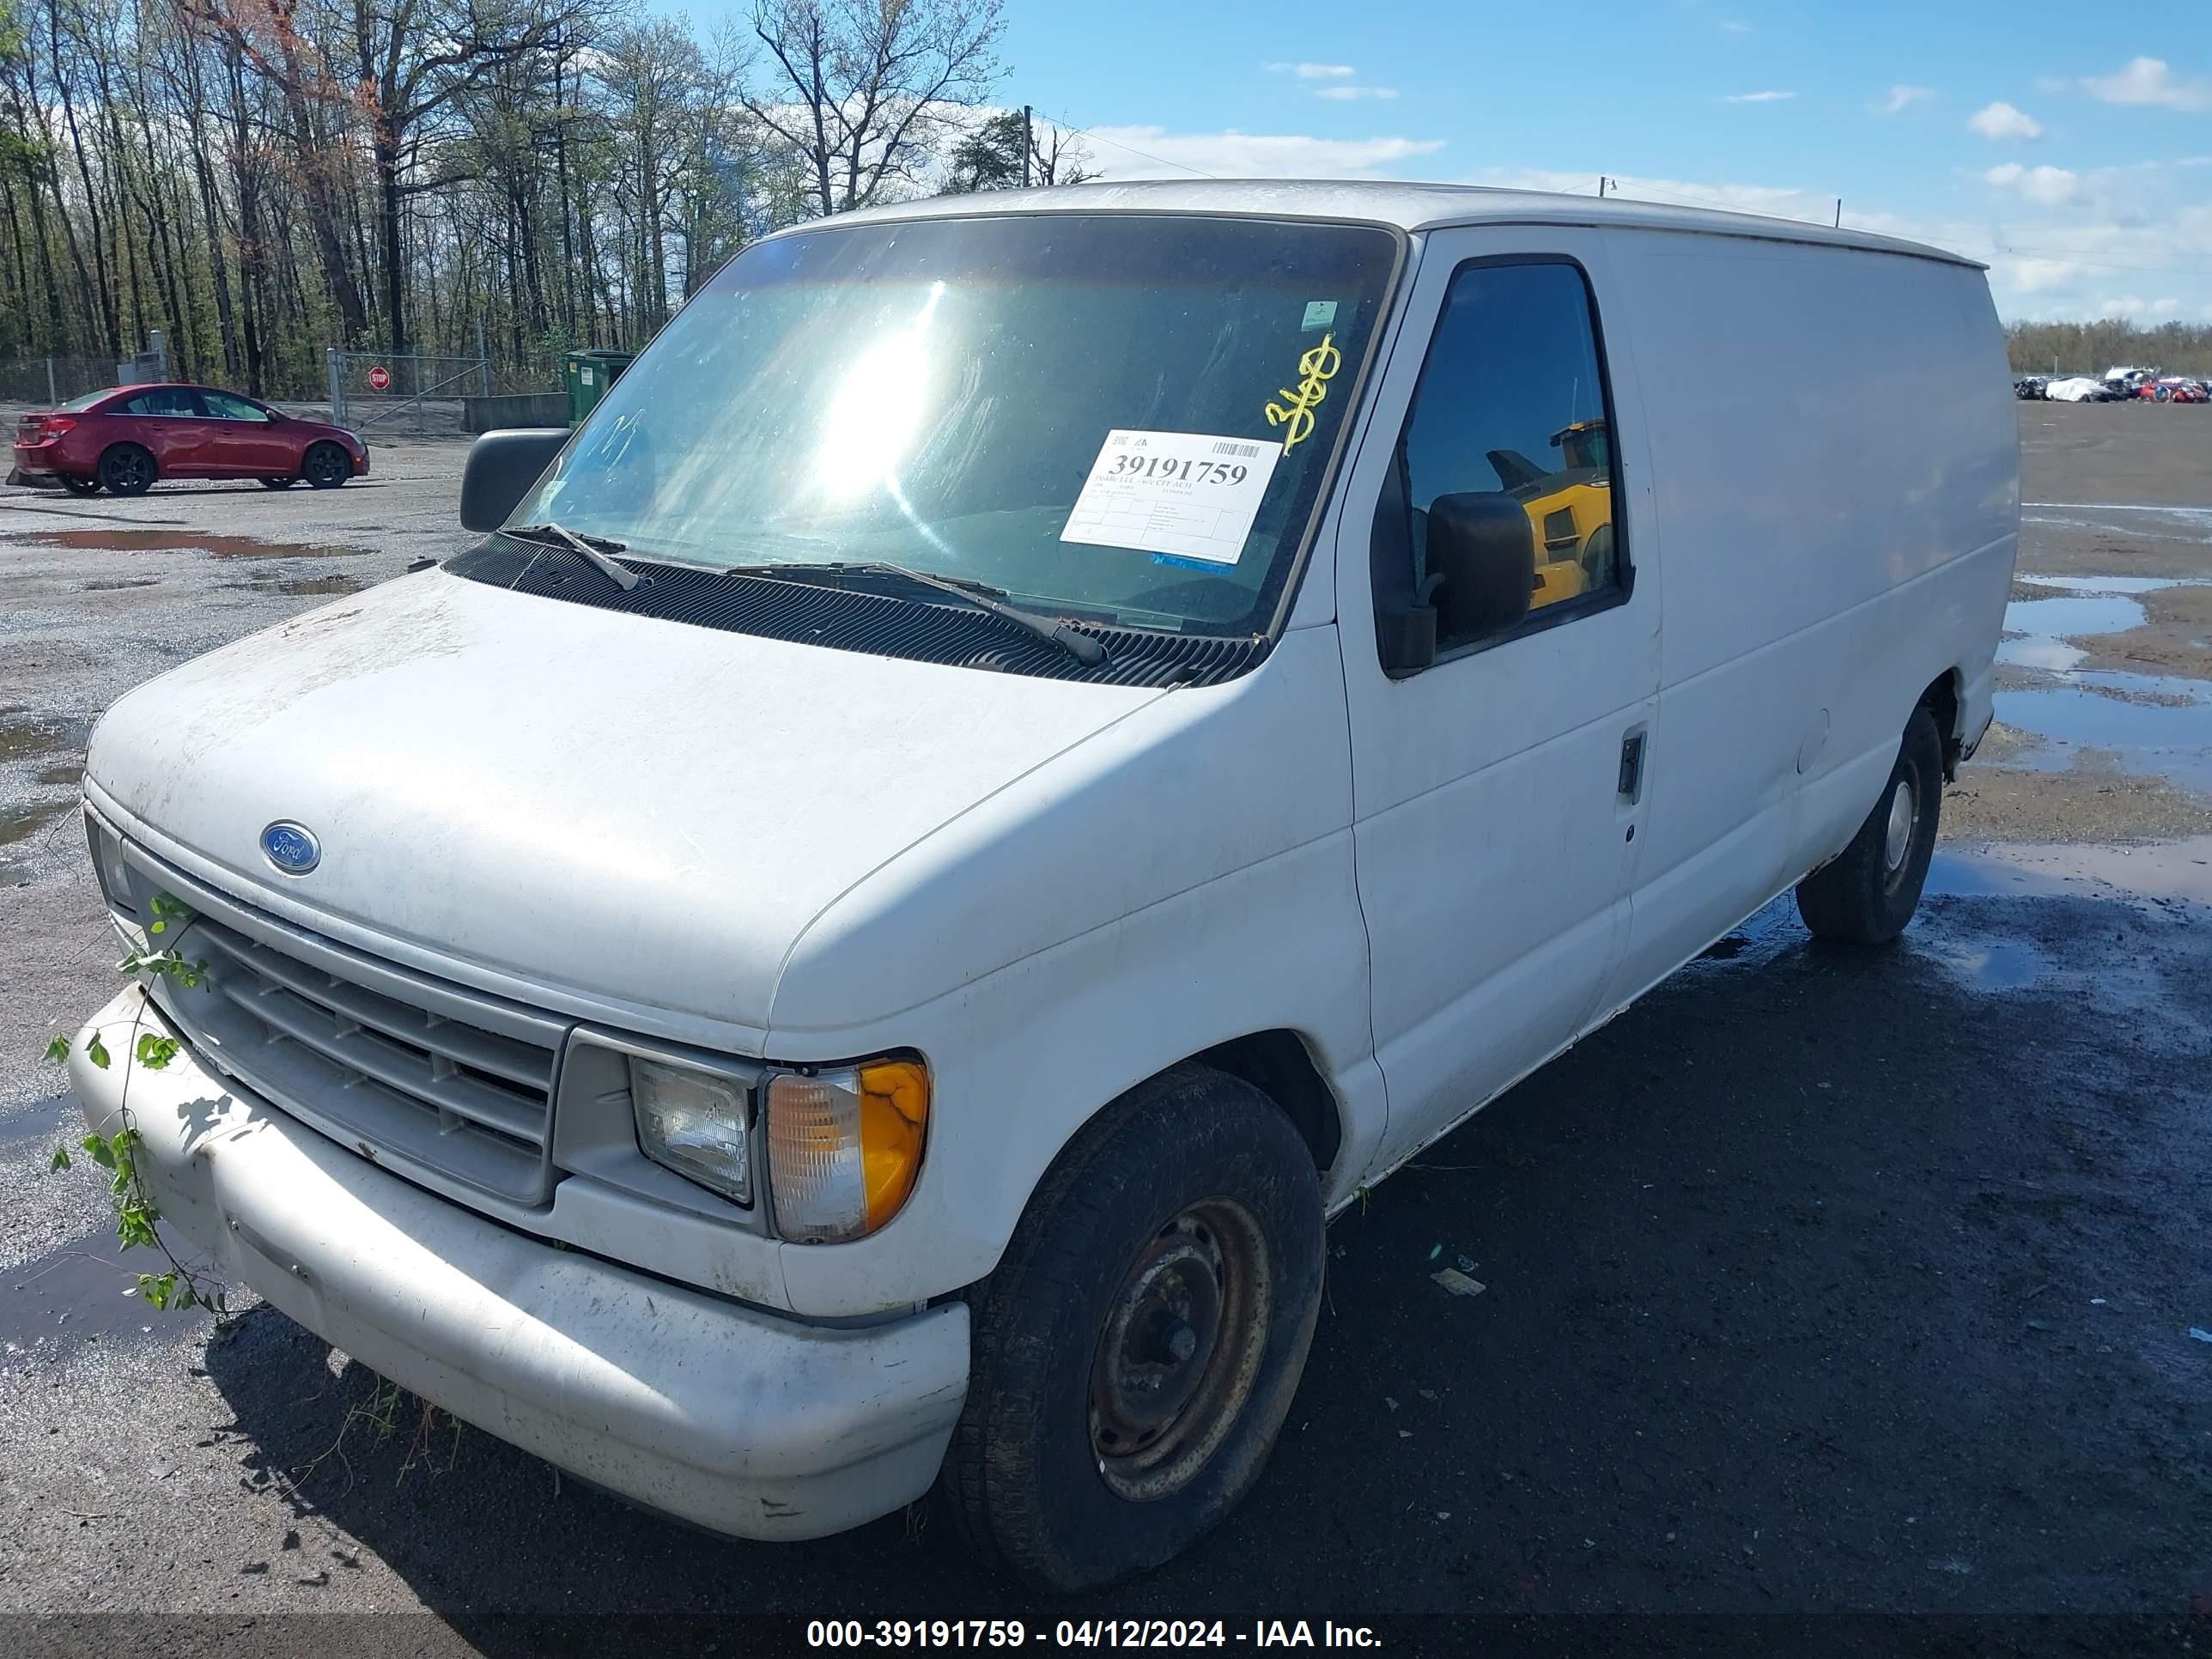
{"x":1819,"y":1282}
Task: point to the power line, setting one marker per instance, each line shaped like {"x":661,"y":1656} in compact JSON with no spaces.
{"x":1062,"y":121}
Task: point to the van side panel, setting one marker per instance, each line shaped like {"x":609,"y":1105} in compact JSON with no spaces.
{"x":1835,"y":462}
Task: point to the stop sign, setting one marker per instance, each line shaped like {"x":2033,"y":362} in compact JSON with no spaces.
{"x":380,"y":377}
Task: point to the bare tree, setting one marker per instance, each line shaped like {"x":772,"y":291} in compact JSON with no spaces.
{"x":857,"y":87}
{"x":261,"y":178}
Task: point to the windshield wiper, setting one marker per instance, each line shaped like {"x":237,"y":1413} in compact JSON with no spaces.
{"x":984,"y":597}
{"x":621,"y":577}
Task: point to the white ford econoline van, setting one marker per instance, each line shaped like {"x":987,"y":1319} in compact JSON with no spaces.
{"x":1030,"y":749}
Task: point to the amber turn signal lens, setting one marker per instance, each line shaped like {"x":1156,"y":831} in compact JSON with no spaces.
{"x":894,"y":1111}
{"x":844,"y":1147}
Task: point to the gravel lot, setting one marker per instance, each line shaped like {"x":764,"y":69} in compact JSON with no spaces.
{"x":1817,"y":1282}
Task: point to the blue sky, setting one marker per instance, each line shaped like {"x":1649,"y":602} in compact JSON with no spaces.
{"x":2068,"y":145}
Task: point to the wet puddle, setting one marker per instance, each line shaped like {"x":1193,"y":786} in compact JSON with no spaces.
{"x":1989,"y":966}
{"x":20,"y":824}
{"x":23,"y":739}
{"x":2078,"y":616}
{"x":302,"y":587}
{"x":2112,"y":584}
{"x":2123,"y":518}
{"x":2162,"y":873}
{"x":180,"y":541}
{"x":2146,"y":733}
{"x":84,"y":1290}
{"x":2156,"y":724}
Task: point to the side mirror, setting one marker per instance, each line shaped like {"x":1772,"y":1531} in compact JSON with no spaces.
{"x":500,"y":470}
{"x":1482,"y":562}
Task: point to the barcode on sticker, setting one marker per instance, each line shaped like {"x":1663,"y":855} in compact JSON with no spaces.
{"x":1248,"y":451}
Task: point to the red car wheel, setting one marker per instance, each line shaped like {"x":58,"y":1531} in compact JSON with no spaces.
{"x":325,"y":465}
{"x":126,"y":470}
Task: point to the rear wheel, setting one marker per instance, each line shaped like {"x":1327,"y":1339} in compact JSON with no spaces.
{"x":325,"y":467}
{"x":77,"y":486}
{"x":278,"y":483}
{"x":1138,"y":1347}
{"x":1868,"y":894}
{"x":127,"y":470}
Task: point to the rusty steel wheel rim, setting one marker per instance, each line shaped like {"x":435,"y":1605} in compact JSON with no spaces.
{"x":1179,"y":1350}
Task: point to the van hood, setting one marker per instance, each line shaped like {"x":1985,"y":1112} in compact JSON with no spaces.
{"x":637,"y":813}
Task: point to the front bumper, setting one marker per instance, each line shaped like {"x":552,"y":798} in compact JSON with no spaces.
{"x":736,"y":1420}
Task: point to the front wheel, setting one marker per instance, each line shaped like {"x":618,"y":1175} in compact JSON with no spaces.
{"x":1138,"y":1346}
{"x":1867,"y":894}
{"x":325,"y":467}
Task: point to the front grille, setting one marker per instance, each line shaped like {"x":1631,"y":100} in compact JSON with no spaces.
{"x":389,"y":1062}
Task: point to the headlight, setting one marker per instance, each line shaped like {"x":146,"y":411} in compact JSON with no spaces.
{"x":114,"y":874}
{"x":694,"y":1123}
{"x":844,"y":1147}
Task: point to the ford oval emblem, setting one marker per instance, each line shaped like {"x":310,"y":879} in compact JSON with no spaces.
{"x":292,"y":847}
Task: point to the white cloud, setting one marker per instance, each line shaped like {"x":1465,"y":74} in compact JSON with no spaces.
{"x":1148,"y":152}
{"x":2044,"y":260}
{"x":2038,"y":275}
{"x":2148,"y":81}
{"x":2045,"y":186}
{"x":2130,"y":309}
{"x":1314,"y":71}
{"x":1347,"y":93}
{"x":1780,"y":202}
{"x":2001,"y":121}
{"x":1757,"y":97}
{"x":1731,"y":26}
{"x":1904,"y":98}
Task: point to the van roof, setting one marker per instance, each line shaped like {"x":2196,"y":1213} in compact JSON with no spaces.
{"x":1408,"y":206}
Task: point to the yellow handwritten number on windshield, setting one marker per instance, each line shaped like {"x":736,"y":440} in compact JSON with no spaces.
{"x":1316,"y":369}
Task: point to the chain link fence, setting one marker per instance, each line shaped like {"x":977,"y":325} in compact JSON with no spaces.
{"x":418,"y":393}
{"x":46,"y":381}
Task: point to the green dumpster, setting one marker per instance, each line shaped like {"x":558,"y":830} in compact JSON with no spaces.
{"x":587,"y":374}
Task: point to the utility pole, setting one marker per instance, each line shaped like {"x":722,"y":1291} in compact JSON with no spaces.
{"x":1600,"y":187}
{"x":1840,"y":213}
{"x":1029,"y":146}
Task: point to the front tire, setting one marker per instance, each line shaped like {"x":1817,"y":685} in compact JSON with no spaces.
{"x":325,"y":467}
{"x":127,"y":470}
{"x":1868,"y":894}
{"x":1137,"y":1348}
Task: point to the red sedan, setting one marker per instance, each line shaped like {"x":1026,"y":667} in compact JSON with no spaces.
{"x":123,"y":439}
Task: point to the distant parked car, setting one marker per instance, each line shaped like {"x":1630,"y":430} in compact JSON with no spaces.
{"x":123,"y":439}
{"x":2031,"y":388}
{"x":2173,"y":390}
{"x":2077,"y":389}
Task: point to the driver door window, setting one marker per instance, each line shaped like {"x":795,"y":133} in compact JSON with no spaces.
{"x":1508,"y":449}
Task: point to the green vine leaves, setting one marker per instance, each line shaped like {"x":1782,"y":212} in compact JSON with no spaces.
{"x":136,"y":1215}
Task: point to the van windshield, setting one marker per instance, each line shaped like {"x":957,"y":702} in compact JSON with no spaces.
{"x":1120,"y":417}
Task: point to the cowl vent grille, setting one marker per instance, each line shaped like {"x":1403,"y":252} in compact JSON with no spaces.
{"x":848,"y":619}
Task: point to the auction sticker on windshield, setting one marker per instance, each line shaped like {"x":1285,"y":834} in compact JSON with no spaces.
{"x":1191,"y":494}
